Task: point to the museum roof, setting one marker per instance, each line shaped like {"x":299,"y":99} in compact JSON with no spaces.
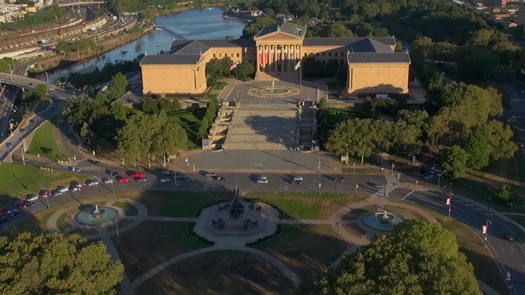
{"x":286,"y":27}
{"x":369,"y":45}
{"x":200,"y":46}
{"x":359,"y":42}
{"x":161,"y":59}
{"x":378,"y":57}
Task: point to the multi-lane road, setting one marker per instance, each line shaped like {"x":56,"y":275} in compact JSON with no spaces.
{"x":58,"y":98}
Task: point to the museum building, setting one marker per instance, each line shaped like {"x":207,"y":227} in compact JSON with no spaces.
{"x":276,"y":51}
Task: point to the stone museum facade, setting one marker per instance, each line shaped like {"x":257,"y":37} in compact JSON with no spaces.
{"x":276,"y":51}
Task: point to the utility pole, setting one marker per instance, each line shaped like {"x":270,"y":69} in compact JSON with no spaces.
{"x":319,"y":169}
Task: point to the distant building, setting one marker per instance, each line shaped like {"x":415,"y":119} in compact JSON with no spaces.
{"x":276,"y":51}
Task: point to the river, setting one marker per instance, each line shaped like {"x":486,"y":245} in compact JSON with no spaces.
{"x":205,"y":23}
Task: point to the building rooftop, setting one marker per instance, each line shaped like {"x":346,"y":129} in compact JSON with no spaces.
{"x":378,"y":57}
{"x":200,"y":46}
{"x":286,"y":27}
{"x":161,"y":59}
{"x":361,"y":43}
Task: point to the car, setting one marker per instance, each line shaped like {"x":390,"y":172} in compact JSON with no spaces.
{"x":62,"y":189}
{"x":44,"y":194}
{"x":13,"y":211}
{"x":31,"y":198}
{"x":261,"y":179}
{"x":23,"y":203}
{"x":376,"y":185}
{"x":122,"y":179}
{"x":210,"y":174}
{"x":168,"y":172}
{"x":74,"y":189}
{"x":106,"y":180}
{"x":74,"y":169}
{"x":508,"y":237}
{"x":92,"y":182}
{"x":140,"y":179}
{"x":219,"y":178}
{"x":9,"y":145}
{"x":78,"y":185}
{"x":3,"y":218}
{"x":111,"y":172}
{"x":164,"y":179}
{"x":136,"y":175}
{"x":57,"y":193}
{"x":3,"y":211}
{"x":297,"y":179}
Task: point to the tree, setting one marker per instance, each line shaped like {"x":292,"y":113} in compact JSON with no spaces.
{"x":7,"y":64}
{"x":119,"y":85}
{"x":478,"y":150}
{"x":454,"y":162}
{"x":40,"y":91}
{"x":417,"y":258}
{"x":499,"y":136}
{"x":56,"y":264}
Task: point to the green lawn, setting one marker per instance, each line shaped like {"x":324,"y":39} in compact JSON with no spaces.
{"x":17,"y":180}
{"x":189,"y":120}
{"x":44,"y":143}
{"x":179,"y":204}
{"x":305,"y":205}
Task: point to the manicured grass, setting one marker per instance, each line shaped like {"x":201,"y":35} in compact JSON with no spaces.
{"x":128,"y":208}
{"x":512,"y":168}
{"x":179,"y":204}
{"x":306,"y":249}
{"x":152,"y":243}
{"x":305,"y":205}
{"x":189,"y":120}
{"x":44,"y":143}
{"x":17,"y":180}
{"x":219,"y":272}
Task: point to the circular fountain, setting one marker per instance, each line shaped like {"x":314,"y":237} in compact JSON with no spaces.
{"x":381,"y":220}
{"x":96,"y":215}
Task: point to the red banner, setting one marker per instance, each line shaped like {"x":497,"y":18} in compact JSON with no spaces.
{"x":260,"y":59}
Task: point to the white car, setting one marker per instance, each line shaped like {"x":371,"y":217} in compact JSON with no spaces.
{"x":165,"y":179}
{"x":262,"y":179}
{"x":91,"y":182}
{"x":62,"y":189}
{"x":106,"y":180}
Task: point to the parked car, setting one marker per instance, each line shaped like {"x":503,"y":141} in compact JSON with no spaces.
{"x":31,"y":198}
{"x":168,"y":172}
{"x":57,"y":193}
{"x":136,"y":175}
{"x":164,"y":179}
{"x":3,"y":211}
{"x":218,"y":178}
{"x":92,"y":182}
{"x":508,"y":237}
{"x":3,"y":218}
{"x":62,"y":189}
{"x":74,"y":169}
{"x":74,"y":189}
{"x":106,"y":180}
{"x":44,"y":194}
{"x":141,"y":179}
{"x":122,"y":179}
{"x":13,"y":211}
{"x":261,"y":179}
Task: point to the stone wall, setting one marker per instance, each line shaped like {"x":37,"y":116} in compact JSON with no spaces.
{"x":179,"y":79}
{"x":378,"y":78}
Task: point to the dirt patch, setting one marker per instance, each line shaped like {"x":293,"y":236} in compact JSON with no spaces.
{"x":223,"y":272}
{"x":152,"y":243}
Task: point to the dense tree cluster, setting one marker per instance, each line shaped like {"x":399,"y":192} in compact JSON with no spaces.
{"x":417,"y":258}
{"x":97,"y":76}
{"x":220,"y":68}
{"x":209,"y":117}
{"x":154,"y":105}
{"x":152,"y":136}
{"x":43,"y":16}
{"x":77,"y":46}
{"x":40,"y":92}
{"x":57,"y":264}
{"x":7,"y":64}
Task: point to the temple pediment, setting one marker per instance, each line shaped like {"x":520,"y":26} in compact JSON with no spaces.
{"x":278,"y":36}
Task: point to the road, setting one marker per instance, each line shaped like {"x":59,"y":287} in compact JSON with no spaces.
{"x":58,"y":98}
{"x":509,"y":255}
{"x":7,"y":98}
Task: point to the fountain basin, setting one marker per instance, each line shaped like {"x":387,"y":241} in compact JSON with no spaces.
{"x":274,"y":91}
{"x":91,"y":217}
{"x":380,"y":221}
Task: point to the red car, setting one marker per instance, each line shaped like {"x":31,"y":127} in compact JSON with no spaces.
{"x":122,"y":179}
{"x":137,"y":175}
{"x":45,"y":194}
{"x":3,"y":211}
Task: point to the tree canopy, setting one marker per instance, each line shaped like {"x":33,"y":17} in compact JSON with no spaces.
{"x":56,"y":264}
{"x":417,"y":258}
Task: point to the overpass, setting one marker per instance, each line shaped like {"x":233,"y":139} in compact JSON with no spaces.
{"x":76,"y":3}
{"x":58,"y":98}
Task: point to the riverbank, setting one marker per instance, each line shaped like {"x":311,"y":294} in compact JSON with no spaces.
{"x":60,"y":61}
